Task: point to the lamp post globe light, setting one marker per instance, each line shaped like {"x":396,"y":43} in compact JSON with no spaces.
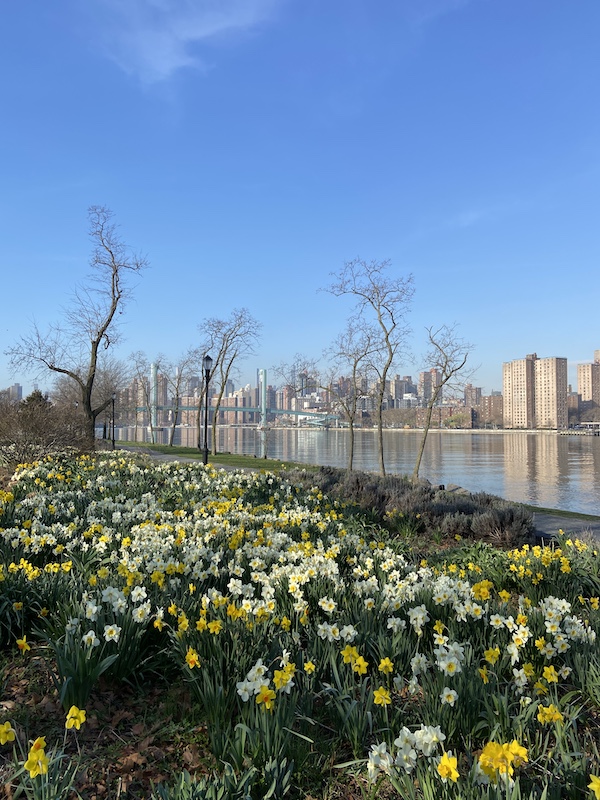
{"x":207,"y":363}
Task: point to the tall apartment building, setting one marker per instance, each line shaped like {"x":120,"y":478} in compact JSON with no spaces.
{"x":551,"y":388}
{"x":490,"y":411}
{"x":472,"y":395}
{"x":518,"y":392}
{"x":535,"y":393}
{"x":428,"y":382}
{"x":588,"y":384}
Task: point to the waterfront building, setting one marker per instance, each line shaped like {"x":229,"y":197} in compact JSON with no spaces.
{"x":535,"y":393}
{"x":588,"y":386}
{"x":472,"y":395}
{"x":551,"y":386}
{"x":428,"y":382}
{"x":489,"y":412}
{"x":518,"y":392}
{"x":446,"y":416}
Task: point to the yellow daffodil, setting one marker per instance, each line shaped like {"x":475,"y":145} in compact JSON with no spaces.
{"x":594,"y":785}
{"x":75,"y":718}
{"x":548,"y":714}
{"x":349,"y":654}
{"x":386,"y":666}
{"x":447,"y":768}
{"x":7,"y":733}
{"x":23,"y":645}
{"x":550,"y":674}
{"x":265,"y":697}
{"x":481,"y":590}
{"x":309,"y":667}
{"x":192,"y":658}
{"x":382,"y":697}
{"x":37,"y":761}
{"x":501,"y":759}
{"x":360,"y":666}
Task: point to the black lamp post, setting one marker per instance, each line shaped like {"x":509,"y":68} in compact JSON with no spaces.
{"x":114,"y":397}
{"x":207,"y":364}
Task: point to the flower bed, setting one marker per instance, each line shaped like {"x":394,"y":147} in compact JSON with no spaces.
{"x":307,"y":640}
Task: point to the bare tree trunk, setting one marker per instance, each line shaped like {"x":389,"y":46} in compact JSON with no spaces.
{"x":448,"y":355}
{"x":351,"y":445}
{"x":175,"y":411}
{"x":201,"y":398}
{"x":214,"y":419}
{"x":380,"y":435}
{"x":428,"y":416}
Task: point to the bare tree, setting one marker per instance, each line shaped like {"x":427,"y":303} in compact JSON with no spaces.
{"x":142,"y":388}
{"x":351,"y":355}
{"x":382,"y":301}
{"x":112,"y":375}
{"x":111,"y":378}
{"x":448,"y":355}
{"x":177,"y":373}
{"x":72,"y":347}
{"x":228,"y":341}
{"x":298,"y":375}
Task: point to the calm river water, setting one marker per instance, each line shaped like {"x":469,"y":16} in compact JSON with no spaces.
{"x":544,"y":469}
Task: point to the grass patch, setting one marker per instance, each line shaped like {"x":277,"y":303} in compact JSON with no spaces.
{"x":560,"y":513}
{"x":230,"y":460}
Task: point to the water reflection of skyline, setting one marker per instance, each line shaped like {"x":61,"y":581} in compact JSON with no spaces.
{"x":544,"y":469}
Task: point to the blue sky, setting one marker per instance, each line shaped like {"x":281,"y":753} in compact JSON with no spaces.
{"x":251,"y":147}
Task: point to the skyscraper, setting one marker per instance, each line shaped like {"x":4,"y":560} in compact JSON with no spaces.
{"x":551,"y":387}
{"x":588,"y":384}
{"x":535,"y":392}
{"x":518,"y":392}
{"x":428,"y":382}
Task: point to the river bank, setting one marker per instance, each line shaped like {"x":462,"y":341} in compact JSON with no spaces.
{"x":547,"y":522}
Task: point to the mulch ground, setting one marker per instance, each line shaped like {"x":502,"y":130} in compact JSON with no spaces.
{"x":133,"y":737}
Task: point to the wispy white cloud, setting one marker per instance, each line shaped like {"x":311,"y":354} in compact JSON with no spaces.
{"x":153,"y":39}
{"x":469,"y":218}
{"x":427,"y":11}
{"x":473,"y":216}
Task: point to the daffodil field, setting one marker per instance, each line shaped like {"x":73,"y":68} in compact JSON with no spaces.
{"x":316,"y":652}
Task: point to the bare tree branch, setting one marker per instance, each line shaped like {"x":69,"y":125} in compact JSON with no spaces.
{"x":72,"y":348}
{"x":228,"y":341}
{"x":448,"y":354}
{"x":385,"y":300}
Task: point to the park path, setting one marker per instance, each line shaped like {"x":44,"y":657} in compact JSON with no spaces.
{"x":546,"y":524}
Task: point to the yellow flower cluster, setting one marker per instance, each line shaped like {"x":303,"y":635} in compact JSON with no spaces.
{"x":499,"y":760}
{"x":37,"y":760}
{"x":548,"y":714}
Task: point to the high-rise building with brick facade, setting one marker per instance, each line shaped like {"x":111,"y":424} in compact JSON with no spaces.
{"x":535,"y":393}
{"x":588,"y":385}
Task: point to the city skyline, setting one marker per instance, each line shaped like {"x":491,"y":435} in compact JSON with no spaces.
{"x":574,"y":371}
{"x":250,"y":152}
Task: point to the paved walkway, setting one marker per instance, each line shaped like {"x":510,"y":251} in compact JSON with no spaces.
{"x":548,"y":525}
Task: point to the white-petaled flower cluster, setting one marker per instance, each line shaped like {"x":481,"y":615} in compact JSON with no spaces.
{"x":408,"y":747}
